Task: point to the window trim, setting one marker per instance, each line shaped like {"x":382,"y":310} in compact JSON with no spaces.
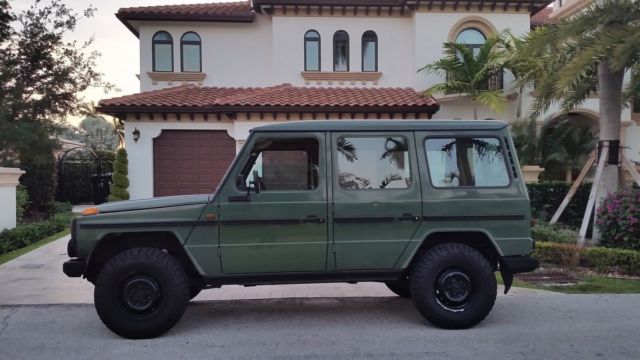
{"x":335,"y":54}
{"x":319,"y":41}
{"x":190,"y":42}
{"x":504,"y":159}
{"x":334,"y":151}
{"x":155,"y":42}
{"x":376,"y":53}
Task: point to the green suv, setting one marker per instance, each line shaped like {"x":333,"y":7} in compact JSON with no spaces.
{"x":430,"y":208}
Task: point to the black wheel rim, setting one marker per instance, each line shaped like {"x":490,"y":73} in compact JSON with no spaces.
{"x":140,"y":294}
{"x":454,"y":289}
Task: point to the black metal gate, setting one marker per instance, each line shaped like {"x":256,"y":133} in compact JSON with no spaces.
{"x":84,"y":176}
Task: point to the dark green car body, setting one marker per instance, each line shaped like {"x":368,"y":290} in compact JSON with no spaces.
{"x":336,"y":226}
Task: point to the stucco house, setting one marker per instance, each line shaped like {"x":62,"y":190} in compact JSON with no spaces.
{"x":211,"y":72}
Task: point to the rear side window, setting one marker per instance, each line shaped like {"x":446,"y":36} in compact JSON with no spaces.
{"x":376,"y":162}
{"x":466,"y":162}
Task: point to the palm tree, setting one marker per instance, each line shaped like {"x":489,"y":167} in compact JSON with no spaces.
{"x":587,"y":53}
{"x":89,"y":109}
{"x":564,"y":148}
{"x":469,"y":74}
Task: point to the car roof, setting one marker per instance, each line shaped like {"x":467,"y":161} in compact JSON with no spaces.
{"x":383,"y":125}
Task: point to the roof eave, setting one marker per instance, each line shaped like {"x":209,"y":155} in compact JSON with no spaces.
{"x":232,"y":18}
{"x":125,"y":109}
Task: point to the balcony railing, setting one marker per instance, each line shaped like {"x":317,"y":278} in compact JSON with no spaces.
{"x":494,"y":81}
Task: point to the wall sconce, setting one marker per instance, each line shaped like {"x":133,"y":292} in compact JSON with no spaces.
{"x":136,"y":135}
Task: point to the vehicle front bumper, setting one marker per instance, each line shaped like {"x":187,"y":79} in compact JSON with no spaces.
{"x":73,"y":267}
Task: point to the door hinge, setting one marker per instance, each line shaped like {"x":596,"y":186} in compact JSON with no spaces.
{"x":333,"y":247}
{"x":219,"y":251}
{"x":333,"y":208}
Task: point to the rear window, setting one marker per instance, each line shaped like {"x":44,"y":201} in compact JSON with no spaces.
{"x":466,"y":162}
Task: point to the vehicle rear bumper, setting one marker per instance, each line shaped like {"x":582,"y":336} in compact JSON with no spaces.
{"x":73,"y":267}
{"x":519,"y":264}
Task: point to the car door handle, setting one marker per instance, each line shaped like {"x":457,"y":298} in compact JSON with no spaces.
{"x":312,"y":219}
{"x":408,"y":217}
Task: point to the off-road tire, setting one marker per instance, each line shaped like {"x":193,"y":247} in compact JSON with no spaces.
{"x":429,"y":274}
{"x":400,"y":287}
{"x":194,"y":291}
{"x":153,"y":266}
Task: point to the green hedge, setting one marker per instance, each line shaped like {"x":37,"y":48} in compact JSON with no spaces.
{"x":547,"y":196}
{"x":557,"y":233}
{"x":27,"y":234}
{"x":602,"y":259}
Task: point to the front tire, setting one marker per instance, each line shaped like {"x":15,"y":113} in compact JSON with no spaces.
{"x":141,"y":293}
{"x":453,"y":286}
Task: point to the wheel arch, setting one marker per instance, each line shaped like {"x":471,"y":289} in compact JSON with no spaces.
{"x":478,"y":239}
{"x":111,"y":244}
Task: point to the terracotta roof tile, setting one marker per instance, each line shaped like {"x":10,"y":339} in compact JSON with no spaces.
{"x":542,"y":17}
{"x":219,"y":9}
{"x":284,"y":95}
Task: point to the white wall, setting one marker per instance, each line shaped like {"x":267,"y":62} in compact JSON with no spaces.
{"x":8,"y":182}
{"x":233,"y":54}
{"x":395,"y":38}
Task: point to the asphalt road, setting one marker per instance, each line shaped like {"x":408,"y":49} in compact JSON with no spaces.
{"x":522,"y":326}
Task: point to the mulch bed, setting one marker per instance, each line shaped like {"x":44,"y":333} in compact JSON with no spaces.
{"x":547,"y":277}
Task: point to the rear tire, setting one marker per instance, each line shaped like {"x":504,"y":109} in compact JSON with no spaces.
{"x":453,"y":286}
{"x":141,"y":293}
{"x":400,"y":287}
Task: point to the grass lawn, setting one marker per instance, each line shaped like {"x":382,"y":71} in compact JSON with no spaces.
{"x":14,"y":254}
{"x":590,"y":284}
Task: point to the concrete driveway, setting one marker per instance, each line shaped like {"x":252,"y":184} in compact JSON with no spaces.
{"x":328,"y":321}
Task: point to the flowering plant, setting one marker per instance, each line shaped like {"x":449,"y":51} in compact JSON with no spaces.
{"x":618,"y":220}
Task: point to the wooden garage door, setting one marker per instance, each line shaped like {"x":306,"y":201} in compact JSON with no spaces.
{"x":190,"y":162}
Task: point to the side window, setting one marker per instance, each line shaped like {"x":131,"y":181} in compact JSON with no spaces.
{"x":377,"y":162}
{"x":191,"y":52}
{"x":162,"y":51}
{"x":312,"y":51}
{"x":283,"y":165}
{"x":466,"y":161}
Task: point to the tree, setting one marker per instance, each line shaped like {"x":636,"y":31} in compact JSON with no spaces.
{"x":469,"y":74}
{"x":587,"y":53}
{"x":564,"y":148}
{"x":89,"y":110}
{"x":119,"y":178}
{"x":98,"y":134}
{"x":41,"y":76}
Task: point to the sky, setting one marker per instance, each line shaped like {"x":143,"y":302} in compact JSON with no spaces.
{"x":120,"y":60}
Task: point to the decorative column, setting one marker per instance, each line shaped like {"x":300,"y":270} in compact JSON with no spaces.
{"x":8,"y":182}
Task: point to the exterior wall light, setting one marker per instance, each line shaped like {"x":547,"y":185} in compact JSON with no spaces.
{"x":136,"y":135}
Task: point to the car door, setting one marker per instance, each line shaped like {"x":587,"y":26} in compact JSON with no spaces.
{"x":283,"y":228}
{"x":376,"y":198}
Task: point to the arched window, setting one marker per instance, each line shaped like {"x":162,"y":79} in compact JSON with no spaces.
{"x":191,"y":52}
{"x":369,"y":51}
{"x":472,"y":38}
{"x":162,"y":51}
{"x":341,"y":51}
{"x":312,"y":51}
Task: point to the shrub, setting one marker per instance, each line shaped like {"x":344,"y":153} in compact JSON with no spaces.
{"x":22,"y":201}
{"x":543,"y":231}
{"x":601,"y":258}
{"x":27,"y":234}
{"x":619,"y":220}
{"x":39,"y":180}
{"x":120,"y":179}
{"x":546,"y":198}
